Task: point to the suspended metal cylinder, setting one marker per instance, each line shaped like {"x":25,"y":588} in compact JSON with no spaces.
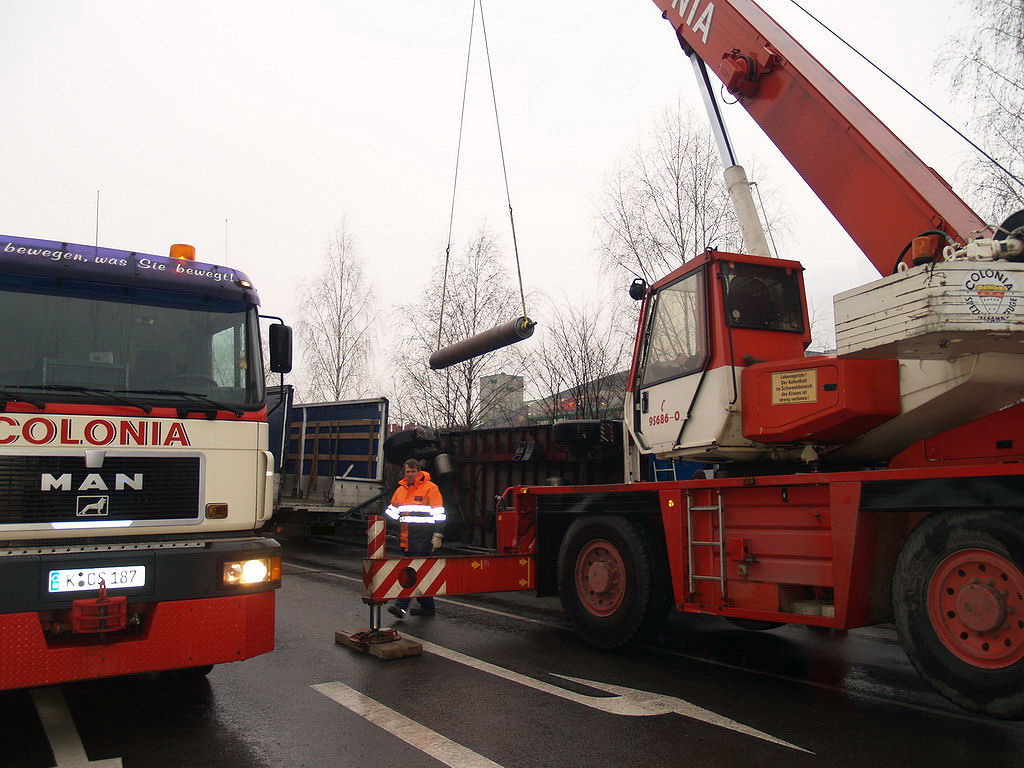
{"x":488,"y":341}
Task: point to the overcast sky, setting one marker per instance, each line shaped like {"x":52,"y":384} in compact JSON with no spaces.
{"x":250,"y":128}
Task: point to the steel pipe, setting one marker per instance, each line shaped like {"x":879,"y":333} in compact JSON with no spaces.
{"x":482,"y":343}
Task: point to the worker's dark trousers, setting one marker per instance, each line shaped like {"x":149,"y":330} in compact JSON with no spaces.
{"x":419,"y":546}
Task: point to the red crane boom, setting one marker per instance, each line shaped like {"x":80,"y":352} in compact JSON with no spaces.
{"x":875,"y":186}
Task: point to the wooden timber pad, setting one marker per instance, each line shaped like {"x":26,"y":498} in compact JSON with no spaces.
{"x":393,"y":649}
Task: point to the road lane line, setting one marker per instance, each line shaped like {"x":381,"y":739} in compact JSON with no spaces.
{"x":430,"y":742}
{"x":53,"y":712}
{"x":628,"y":702}
{"x":724,"y":664}
{"x":482,"y":609}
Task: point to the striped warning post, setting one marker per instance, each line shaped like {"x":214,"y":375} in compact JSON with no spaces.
{"x":404,"y":577}
{"x":375,"y":537}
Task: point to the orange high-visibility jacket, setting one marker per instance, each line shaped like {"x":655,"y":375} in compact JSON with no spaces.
{"x":417,"y":504}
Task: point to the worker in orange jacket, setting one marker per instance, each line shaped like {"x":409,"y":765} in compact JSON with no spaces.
{"x":417,"y":504}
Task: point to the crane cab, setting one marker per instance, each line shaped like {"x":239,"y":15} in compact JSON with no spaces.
{"x":699,"y":327}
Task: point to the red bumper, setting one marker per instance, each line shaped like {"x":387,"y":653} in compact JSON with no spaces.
{"x":174,"y":635}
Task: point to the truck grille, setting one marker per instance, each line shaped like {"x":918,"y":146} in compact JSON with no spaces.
{"x":52,"y":489}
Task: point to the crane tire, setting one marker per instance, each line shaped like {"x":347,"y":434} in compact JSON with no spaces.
{"x":189,"y":673}
{"x":958,"y":604}
{"x":612,"y":580}
{"x":755,"y":624}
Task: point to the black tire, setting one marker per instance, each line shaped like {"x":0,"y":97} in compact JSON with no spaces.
{"x":623,"y":595}
{"x":576,"y":432}
{"x":410,"y":443}
{"x":190,"y":673}
{"x":1012,"y":227}
{"x":958,"y":603}
{"x":756,"y":624}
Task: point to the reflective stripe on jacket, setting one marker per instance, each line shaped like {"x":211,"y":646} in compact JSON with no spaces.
{"x":418,"y":504}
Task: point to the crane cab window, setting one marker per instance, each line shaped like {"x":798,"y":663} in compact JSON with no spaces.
{"x":676,"y":342}
{"x":762,"y":297}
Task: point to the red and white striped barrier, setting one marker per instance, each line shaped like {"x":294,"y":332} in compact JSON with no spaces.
{"x":396,"y":577}
{"x":375,"y":537}
{"x":403,"y":577}
{"x":387,"y":578}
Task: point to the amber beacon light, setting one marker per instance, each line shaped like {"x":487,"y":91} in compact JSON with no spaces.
{"x":183,"y":252}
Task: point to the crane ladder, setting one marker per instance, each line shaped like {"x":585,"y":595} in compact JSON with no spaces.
{"x":718,"y":544}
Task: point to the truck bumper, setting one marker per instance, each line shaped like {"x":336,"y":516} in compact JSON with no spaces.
{"x":174,"y":635}
{"x":183,"y":615}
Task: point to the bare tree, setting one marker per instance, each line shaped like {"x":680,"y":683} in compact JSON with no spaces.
{"x":577,"y":361}
{"x":823,"y":330}
{"x":985,"y":62}
{"x":337,"y":313}
{"x":480,"y":295}
{"x":666,"y":201}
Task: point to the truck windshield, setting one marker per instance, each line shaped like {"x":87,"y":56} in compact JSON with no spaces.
{"x":72,"y":342}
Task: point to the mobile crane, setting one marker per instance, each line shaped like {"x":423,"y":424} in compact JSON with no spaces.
{"x":884,"y":482}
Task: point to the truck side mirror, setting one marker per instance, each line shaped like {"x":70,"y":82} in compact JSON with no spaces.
{"x":280,"y":348}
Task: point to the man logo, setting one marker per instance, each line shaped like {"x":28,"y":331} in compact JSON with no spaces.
{"x":93,"y":506}
{"x":91,"y":482}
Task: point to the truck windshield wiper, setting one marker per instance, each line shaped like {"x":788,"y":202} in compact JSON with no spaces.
{"x":194,"y":395}
{"x":85,"y":390}
{"x":19,"y":398}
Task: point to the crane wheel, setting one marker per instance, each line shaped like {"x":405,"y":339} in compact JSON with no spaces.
{"x":755,"y":625}
{"x":958,"y":603}
{"x":188,"y":674}
{"x":612,"y":580}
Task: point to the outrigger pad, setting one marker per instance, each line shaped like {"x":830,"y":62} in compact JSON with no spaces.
{"x":383,"y":643}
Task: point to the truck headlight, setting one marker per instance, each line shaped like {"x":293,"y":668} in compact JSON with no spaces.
{"x":255,"y":571}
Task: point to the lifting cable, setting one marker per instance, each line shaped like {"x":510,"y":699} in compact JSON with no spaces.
{"x":899,"y":85}
{"x":521,"y":327}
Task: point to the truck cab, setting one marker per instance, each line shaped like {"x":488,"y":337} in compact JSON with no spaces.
{"x":135,"y":465}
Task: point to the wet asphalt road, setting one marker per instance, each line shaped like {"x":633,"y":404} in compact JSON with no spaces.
{"x":492,"y":688}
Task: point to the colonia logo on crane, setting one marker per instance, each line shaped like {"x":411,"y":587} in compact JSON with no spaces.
{"x":698,"y":22}
{"x":990,"y":294}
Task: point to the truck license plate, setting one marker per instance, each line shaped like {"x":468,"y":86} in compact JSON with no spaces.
{"x":82,"y":579}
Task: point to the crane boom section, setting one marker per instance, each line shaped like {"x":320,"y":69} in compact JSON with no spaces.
{"x":877,"y":188}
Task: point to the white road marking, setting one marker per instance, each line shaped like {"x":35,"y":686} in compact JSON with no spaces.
{"x":60,"y":731}
{"x":480,"y":608}
{"x":626,"y":701}
{"x":715,"y":663}
{"x":419,"y":736}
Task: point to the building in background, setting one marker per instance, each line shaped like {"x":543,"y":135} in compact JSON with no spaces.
{"x":598,"y":399}
{"x":501,"y":400}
